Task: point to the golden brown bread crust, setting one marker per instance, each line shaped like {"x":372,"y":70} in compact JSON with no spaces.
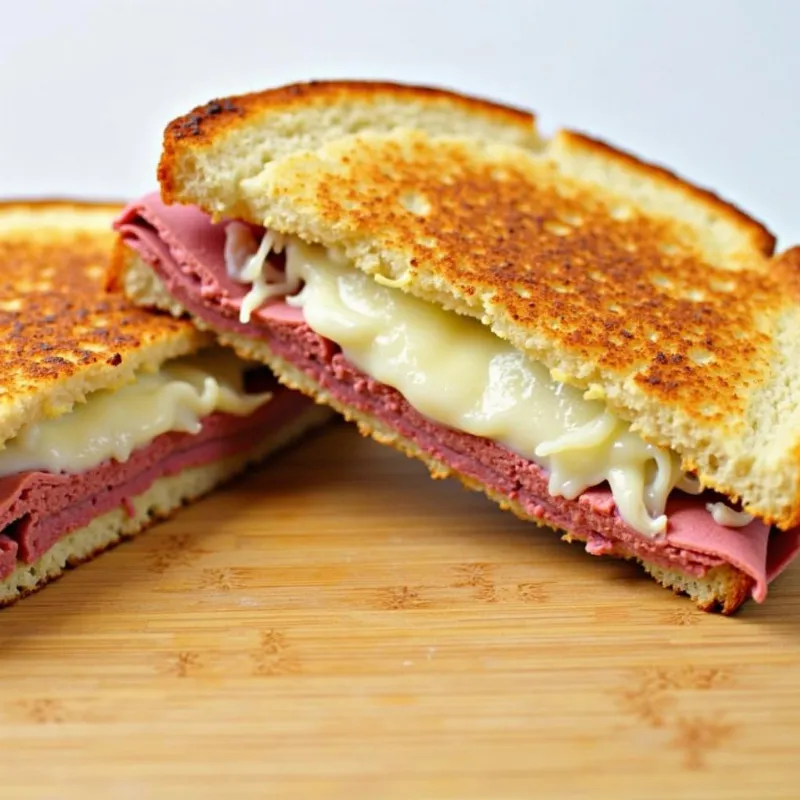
{"x":734,"y":587}
{"x":679,"y":330}
{"x":612,"y":292}
{"x":203,"y":123}
{"x":658,"y":296}
{"x":762,"y":238}
{"x":479,"y":224}
{"x":63,"y":333}
{"x":117,"y":264}
{"x":786,"y":269}
{"x":50,"y":334}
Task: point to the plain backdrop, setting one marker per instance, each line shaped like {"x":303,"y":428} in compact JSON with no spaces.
{"x":710,"y":88}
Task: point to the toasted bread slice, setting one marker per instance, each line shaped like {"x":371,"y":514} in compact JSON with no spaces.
{"x":209,"y":150}
{"x":65,"y":337}
{"x":620,"y":277}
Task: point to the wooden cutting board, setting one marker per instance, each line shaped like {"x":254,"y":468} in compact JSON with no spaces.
{"x":339,"y":625}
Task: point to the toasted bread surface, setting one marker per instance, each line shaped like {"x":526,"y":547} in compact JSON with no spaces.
{"x":622,"y":278}
{"x":65,"y":336}
{"x":229,"y":139}
{"x":722,"y":589}
{"x":657,"y":300}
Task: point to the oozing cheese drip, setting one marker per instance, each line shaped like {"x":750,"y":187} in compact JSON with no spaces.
{"x":725,"y":515}
{"x":112,"y":424}
{"x":247,"y":263}
{"x":458,"y":373}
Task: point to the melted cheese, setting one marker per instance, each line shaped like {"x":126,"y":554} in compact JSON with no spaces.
{"x":456,"y":372}
{"x":112,"y":424}
{"x":724,"y":515}
{"x":246,"y":262}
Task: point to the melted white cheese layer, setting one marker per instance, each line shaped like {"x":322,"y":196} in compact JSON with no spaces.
{"x":726,"y":516}
{"x":456,"y":372}
{"x":114,"y":423}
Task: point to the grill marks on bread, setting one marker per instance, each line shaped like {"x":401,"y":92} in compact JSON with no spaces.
{"x":63,"y":334}
{"x":629,"y":293}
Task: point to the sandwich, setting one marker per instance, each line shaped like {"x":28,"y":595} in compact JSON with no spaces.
{"x":596,"y":344}
{"x":111,"y":417}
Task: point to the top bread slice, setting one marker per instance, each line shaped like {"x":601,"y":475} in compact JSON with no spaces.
{"x":226,"y":140}
{"x":63,"y":335}
{"x":623,"y":279}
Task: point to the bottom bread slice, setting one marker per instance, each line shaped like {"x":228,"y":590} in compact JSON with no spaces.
{"x":160,"y":501}
{"x":723,"y":588}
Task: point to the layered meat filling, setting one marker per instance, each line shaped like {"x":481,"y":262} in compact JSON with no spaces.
{"x":58,"y":474}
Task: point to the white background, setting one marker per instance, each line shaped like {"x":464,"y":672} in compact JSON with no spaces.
{"x":710,"y":88}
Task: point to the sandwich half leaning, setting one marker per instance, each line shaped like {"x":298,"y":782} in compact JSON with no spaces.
{"x":111,"y":416}
{"x":598,"y":345}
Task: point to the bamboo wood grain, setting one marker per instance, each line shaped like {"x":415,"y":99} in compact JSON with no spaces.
{"x":339,"y":625}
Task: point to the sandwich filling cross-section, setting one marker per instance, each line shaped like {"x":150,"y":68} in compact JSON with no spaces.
{"x":463,"y":396}
{"x":110,"y":416}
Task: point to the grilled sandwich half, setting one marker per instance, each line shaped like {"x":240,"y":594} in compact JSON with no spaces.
{"x":595,"y":343}
{"x":111,"y":417}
